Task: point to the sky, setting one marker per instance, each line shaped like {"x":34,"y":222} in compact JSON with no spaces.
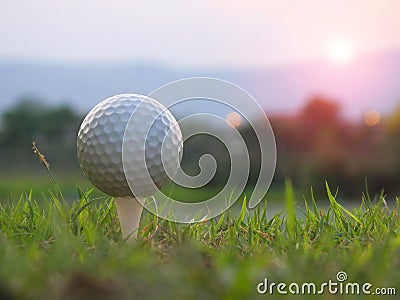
{"x":196,"y":34}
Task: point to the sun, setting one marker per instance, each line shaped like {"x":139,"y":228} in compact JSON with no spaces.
{"x":341,"y":51}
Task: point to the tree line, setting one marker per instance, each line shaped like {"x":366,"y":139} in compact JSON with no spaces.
{"x":52,"y":128}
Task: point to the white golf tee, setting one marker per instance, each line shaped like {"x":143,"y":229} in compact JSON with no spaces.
{"x":129,"y":210}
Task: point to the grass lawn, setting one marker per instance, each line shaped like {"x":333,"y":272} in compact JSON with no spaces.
{"x":51,"y":249}
{"x":40,"y":184}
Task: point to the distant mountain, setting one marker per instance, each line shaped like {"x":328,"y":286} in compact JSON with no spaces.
{"x":372,"y":81}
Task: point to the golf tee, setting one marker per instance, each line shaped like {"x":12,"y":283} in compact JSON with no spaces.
{"x":129,"y":210}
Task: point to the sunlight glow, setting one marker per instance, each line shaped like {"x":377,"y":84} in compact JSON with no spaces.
{"x":341,"y":51}
{"x":234,"y":119}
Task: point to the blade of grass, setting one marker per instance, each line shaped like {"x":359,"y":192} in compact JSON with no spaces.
{"x":290,"y":210}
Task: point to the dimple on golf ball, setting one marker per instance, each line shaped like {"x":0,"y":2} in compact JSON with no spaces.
{"x":121,"y":131}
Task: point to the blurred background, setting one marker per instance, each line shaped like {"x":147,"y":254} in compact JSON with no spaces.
{"x":327,"y":74}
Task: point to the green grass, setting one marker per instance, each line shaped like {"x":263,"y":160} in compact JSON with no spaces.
{"x":13,"y":185}
{"x":51,"y":249}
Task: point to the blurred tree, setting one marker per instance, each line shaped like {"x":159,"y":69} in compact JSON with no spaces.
{"x":321,"y":124}
{"x":392,"y":122}
{"x":318,"y":120}
{"x":391,"y":147}
{"x":309,"y":143}
{"x":54,"y":129}
{"x":19,"y":124}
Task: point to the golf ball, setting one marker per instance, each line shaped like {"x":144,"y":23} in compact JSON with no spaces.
{"x":120,"y":131}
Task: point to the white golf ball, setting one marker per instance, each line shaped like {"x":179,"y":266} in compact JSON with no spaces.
{"x":108,"y":130}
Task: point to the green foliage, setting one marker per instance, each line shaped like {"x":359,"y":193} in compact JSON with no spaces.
{"x":54,"y":129}
{"x":55,"y":250}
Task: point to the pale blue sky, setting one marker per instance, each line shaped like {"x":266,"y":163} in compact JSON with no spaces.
{"x":218,"y":33}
